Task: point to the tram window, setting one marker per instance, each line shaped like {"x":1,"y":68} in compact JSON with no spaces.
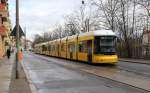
{"x":57,"y":47}
{"x":71,"y":47}
{"x":53,"y":47}
{"x":80,"y":47}
{"x":62,"y":47}
{"x":49,"y":47}
{"x":43,"y":48}
{"x":104,"y":45}
{"x":83,"y":46}
{"x":65,"y":46}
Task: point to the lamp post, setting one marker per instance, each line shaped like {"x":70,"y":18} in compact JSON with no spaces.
{"x":17,"y":37}
{"x":82,"y":14}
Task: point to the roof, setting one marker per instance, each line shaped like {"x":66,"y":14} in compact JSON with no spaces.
{"x":99,"y":33}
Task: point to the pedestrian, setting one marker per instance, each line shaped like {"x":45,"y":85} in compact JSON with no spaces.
{"x":20,"y":56}
{"x":8,"y":53}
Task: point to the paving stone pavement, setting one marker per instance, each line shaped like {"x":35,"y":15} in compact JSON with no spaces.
{"x":6,"y":66}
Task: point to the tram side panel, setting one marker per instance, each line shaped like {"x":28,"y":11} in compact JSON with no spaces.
{"x":47,"y":49}
{"x":53,"y":49}
{"x":71,"y":52}
{"x":72,"y":48}
{"x":63,"y":48}
{"x":85,"y":48}
{"x":59,"y":52}
{"x":57,"y":48}
{"x":82,"y":55}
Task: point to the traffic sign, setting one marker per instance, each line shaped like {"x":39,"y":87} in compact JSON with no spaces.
{"x":14,"y":32}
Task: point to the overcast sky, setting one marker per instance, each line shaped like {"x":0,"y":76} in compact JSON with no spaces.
{"x":40,"y":15}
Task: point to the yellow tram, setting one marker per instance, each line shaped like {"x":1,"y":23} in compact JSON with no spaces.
{"x":94,"y":47}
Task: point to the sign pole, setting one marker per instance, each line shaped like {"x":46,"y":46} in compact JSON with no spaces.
{"x":17,"y":37}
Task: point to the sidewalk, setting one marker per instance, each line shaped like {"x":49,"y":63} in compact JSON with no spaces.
{"x":5,"y":74}
{"x":141,"y":61}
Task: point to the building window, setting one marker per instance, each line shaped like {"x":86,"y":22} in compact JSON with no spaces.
{"x":2,"y":1}
{"x":4,"y":19}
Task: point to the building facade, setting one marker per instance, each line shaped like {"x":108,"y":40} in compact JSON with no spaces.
{"x":146,"y":44}
{"x":5,"y":27}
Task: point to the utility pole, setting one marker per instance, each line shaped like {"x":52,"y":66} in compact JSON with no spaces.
{"x":87,"y":25}
{"x":17,"y":37}
{"x":25,"y":39}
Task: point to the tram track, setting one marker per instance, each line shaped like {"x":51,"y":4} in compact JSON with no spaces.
{"x":122,"y":68}
{"x":122,"y":83}
{"x":135,"y":72}
{"x":84,"y":68}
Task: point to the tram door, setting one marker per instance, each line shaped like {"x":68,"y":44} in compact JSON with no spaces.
{"x":71,"y":51}
{"x":58,"y":50}
{"x":89,"y":46}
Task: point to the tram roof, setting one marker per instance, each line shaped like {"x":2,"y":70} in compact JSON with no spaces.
{"x":64,"y":38}
{"x":44,"y":43}
{"x":72,"y":37}
{"x":99,"y":33}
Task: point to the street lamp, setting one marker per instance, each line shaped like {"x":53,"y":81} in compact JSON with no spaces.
{"x":83,"y":2}
{"x":82,"y":14}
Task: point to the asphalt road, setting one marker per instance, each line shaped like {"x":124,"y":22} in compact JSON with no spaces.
{"x":50,"y":77}
{"x":142,"y":69}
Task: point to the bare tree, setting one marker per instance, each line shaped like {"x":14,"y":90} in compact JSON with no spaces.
{"x":108,"y":10}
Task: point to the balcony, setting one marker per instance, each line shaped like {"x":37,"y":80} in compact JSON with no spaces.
{"x":3,"y":7}
{"x":4,"y":14}
{"x":3,"y":31}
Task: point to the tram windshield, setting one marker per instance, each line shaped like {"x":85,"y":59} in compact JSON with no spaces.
{"x":105,"y":45}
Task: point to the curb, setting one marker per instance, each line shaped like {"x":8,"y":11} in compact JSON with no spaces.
{"x":11,"y":60}
{"x":135,"y":62}
{"x":31,"y":85}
